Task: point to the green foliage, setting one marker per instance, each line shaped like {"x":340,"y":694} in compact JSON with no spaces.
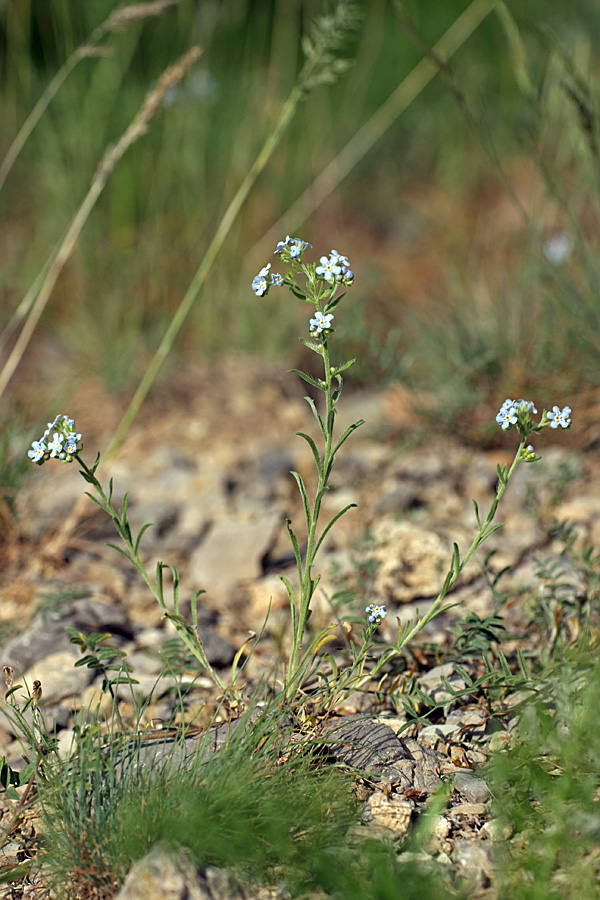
{"x":13,"y":466}
{"x":266,"y":820}
{"x":546,"y":788}
{"x":141,"y":247}
{"x":104,"y":659}
{"x":476,"y":635}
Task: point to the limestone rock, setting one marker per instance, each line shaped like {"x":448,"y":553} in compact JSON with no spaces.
{"x":232,"y":551}
{"x":165,"y":873}
{"x":388,"y":812}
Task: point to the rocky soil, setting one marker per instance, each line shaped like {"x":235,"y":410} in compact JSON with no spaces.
{"x":209,"y":465}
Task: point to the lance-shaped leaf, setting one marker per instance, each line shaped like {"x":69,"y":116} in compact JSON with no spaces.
{"x":294,"y":541}
{"x":334,"y":302}
{"x":347,"y":434}
{"x":140,"y":535}
{"x":303,"y":494}
{"x":315,"y":413}
{"x":344,"y":366}
{"x":317,"y":348}
{"x":318,"y":384}
{"x":314,"y":449}
{"x":328,"y":527}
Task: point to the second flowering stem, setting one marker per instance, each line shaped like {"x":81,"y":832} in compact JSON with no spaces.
{"x":188,"y":633}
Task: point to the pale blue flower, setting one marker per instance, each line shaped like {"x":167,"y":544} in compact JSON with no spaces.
{"x":70,"y":447}
{"x":559,"y":417}
{"x":37,"y":454}
{"x":55,"y":446}
{"x":341,"y":260}
{"x":526,"y":406}
{"x":346,"y":276}
{"x":276,"y":279}
{"x":294,"y":246}
{"x":320,"y":323}
{"x":376,"y":613}
{"x":507,"y":415}
{"x":63,"y":444}
{"x":329,"y":268}
{"x":281,"y":245}
{"x":297,"y":247}
{"x":260,"y":283}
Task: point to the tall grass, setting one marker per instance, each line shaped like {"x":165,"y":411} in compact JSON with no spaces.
{"x":546,"y":787}
{"x":266,"y":816}
{"x":143,"y":242}
{"x":522,"y":304}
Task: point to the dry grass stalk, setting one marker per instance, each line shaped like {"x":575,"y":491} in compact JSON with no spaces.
{"x":135,"y":12}
{"x":117,"y":21}
{"x":111,"y":157}
{"x":381,"y":120}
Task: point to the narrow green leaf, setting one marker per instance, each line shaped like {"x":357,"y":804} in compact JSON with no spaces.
{"x":308,"y":378}
{"x":345,"y":366}
{"x":290,"y":590}
{"x":90,"y":661}
{"x":110,"y":653}
{"x":143,"y":529}
{"x":491,"y":530}
{"x":304,"y":496}
{"x":335,"y":302}
{"x":96,"y":501}
{"x":315,"y":413}
{"x":330,"y":525}
{"x":464,"y":675}
{"x":456,"y":561}
{"x":123,"y":679}
{"x":10,"y":691}
{"x":294,"y":541}
{"x":317,"y":348}
{"x":314,"y":449}
{"x":175,"y":574}
{"x":347,"y":434}
{"x":120,"y":550}
{"x":504,"y":665}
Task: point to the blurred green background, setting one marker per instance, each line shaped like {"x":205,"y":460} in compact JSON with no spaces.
{"x":471,"y":224}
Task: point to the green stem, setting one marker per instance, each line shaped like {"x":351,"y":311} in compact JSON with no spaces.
{"x":482,"y":534}
{"x":194,"y":646}
{"x":306,"y":585}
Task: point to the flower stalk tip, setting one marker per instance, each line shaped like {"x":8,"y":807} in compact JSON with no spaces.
{"x":375,"y":613}
{"x":63,"y":445}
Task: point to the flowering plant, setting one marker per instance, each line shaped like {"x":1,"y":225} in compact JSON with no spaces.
{"x":318,"y":287}
{"x":66,"y":446}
